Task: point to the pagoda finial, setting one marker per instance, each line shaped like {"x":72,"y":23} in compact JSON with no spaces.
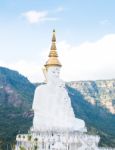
{"x":54,"y":36}
{"x":53,"y":60}
{"x":53,"y":52}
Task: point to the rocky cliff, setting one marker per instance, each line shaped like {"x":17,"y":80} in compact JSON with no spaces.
{"x":100,"y":92}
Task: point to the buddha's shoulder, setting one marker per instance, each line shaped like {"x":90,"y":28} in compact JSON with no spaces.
{"x":41,"y":88}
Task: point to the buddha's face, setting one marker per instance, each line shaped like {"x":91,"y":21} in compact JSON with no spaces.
{"x":53,"y":74}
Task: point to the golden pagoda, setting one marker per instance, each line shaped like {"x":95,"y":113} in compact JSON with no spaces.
{"x":53,"y":56}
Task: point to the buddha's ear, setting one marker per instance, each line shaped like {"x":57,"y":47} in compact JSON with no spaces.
{"x":44,"y":69}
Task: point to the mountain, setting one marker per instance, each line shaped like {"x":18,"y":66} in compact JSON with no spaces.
{"x":16,"y":95}
{"x":100,"y":92}
{"x":15,"y":89}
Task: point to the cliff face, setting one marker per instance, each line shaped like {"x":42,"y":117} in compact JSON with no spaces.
{"x":101,"y":93}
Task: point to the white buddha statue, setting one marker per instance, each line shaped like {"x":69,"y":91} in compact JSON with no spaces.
{"x":52,"y":105}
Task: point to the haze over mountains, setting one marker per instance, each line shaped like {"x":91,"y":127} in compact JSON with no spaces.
{"x":93,"y":101}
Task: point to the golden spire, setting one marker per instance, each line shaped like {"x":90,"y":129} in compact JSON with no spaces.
{"x":53,"y":60}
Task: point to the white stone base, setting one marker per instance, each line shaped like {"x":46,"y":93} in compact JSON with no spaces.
{"x":58,"y":141}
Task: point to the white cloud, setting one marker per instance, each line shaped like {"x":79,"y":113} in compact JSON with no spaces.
{"x":88,"y":61}
{"x":37,"y":16}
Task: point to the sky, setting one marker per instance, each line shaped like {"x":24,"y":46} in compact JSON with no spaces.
{"x":85,"y":31}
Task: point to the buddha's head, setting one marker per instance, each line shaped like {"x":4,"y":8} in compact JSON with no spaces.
{"x":52,"y":74}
